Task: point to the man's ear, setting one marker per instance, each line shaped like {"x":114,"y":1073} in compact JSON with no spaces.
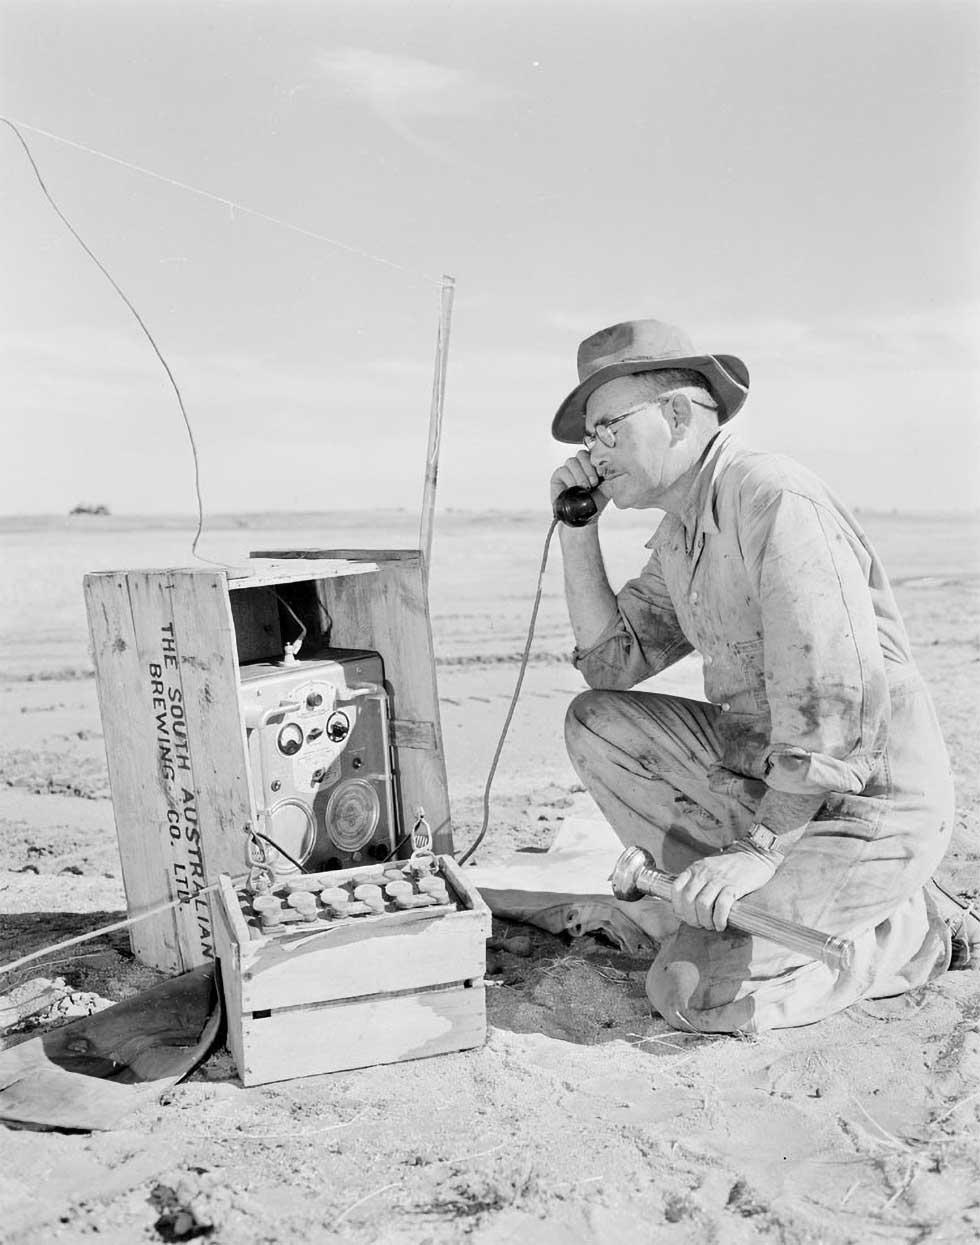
{"x":679,"y":413}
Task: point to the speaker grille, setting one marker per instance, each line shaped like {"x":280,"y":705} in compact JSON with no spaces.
{"x":291,"y":825}
{"x":352,"y":814}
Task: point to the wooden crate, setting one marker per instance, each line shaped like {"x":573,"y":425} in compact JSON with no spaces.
{"x":168,"y":647}
{"x":373,"y":989}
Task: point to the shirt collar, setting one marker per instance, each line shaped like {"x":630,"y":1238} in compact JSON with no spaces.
{"x":699,"y":517}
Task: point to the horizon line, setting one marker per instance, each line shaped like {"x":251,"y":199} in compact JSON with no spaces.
{"x":191,"y":519}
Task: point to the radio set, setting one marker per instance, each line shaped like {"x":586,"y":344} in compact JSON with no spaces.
{"x":320,"y":759}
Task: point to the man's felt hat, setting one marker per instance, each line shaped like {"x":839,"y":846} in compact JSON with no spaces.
{"x":646,"y":346}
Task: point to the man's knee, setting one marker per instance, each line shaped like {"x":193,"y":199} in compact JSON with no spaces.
{"x":601,"y":723}
{"x":603,"y":726}
{"x":670,"y":986}
{"x":587,"y":722}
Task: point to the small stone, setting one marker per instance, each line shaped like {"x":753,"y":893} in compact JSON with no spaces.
{"x":495,"y":964}
{"x":676,"y":1208}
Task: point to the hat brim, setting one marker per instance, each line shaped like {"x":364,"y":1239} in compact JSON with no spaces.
{"x":726,"y":375}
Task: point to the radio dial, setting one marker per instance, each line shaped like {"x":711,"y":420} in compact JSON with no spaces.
{"x":290,"y":739}
{"x":338,"y":727}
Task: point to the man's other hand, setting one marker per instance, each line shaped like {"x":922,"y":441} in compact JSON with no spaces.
{"x":705,"y":891}
{"x":578,"y":472}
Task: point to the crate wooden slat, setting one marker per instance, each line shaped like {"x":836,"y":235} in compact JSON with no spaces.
{"x":167,"y":647}
{"x":131,"y":752}
{"x":360,"y":1034}
{"x":376,"y":989}
{"x":168,"y":691}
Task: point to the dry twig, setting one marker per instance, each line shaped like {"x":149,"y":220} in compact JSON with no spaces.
{"x":466,"y":1158}
{"x":366,"y":1198}
{"x":294,"y":1136}
{"x":913,"y":1173}
{"x":956,"y":1106}
{"x":891,"y":1139}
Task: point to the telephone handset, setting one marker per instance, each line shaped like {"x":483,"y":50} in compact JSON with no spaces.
{"x":576,"y":506}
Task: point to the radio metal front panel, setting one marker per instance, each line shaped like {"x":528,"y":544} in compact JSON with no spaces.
{"x":319,"y":751}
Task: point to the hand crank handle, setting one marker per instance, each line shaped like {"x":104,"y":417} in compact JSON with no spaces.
{"x":635,"y":876}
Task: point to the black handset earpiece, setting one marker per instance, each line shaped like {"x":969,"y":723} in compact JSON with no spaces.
{"x":576,"y":506}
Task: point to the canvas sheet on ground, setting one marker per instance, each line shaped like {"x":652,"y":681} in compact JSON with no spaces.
{"x":567,"y":888}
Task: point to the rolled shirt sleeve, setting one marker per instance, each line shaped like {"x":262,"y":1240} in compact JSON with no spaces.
{"x":643,"y":638}
{"x":824,"y":668}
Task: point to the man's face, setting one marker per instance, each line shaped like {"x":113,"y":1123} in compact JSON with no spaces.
{"x":644,"y":462}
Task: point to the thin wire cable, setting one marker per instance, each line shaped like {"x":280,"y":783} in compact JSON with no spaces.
{"x":232,"y":204}
{"x":281,"y":850}
{"x":114,"y":925}
{"x":297,"y":644}
{"x":513,"y":703}
{"x":139,"y":320}
{"x":967,"y":907}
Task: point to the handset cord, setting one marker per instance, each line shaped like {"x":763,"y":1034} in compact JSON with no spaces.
{"x":461,"y":860}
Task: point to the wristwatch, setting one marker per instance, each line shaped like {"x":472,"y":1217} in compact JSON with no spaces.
{"x":762,"y":837}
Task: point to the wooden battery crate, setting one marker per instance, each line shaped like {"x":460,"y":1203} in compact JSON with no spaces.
{"x":322,"y":997}
{"x":172,"y":650}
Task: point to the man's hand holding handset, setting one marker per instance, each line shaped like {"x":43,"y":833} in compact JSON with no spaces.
{"x":579,"y":472}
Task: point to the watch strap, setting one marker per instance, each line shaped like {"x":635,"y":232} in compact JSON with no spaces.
{"x":762,"y":837}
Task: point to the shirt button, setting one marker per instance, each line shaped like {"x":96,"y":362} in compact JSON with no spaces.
{"x":725,"y":707}
{"x":694,"y":596}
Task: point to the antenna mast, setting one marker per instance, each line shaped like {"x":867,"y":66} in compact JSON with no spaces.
{"x":435,"y":423}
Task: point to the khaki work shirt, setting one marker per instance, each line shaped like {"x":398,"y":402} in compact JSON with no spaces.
{"x":770,"y":578}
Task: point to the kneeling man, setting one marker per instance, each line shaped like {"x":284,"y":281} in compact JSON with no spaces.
{"x":814,"y":776}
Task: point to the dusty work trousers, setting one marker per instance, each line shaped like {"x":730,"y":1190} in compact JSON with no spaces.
{"x":858,"y":871}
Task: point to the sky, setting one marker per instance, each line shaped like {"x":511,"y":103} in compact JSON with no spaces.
{"x":795,"y":183}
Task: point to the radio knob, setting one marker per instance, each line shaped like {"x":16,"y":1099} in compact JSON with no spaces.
{"x":314,"y":700}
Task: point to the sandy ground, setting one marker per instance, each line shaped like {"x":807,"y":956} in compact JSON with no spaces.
{"x":582,"y":1119}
